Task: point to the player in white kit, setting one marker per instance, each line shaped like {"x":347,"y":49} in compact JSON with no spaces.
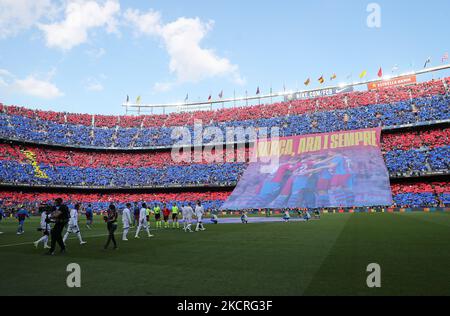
{"x":73,"y":225}
{"x":126,"y":220}
{"x":187,"y":217}
{"x":45,"y":228}
{"x":143,"y":221}
{"x":199,"y":211}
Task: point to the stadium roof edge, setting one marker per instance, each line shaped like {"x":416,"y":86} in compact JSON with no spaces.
{"x":279,"y":94}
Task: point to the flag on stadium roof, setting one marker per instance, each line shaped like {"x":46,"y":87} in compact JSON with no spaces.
{"x":321,"y":80}
{"x":333,"y":77}
{"x":209,"y":98}
{"x":257,"y":91}
{"x":138,"y":100}
{"x":380,"y":72}
{"x":363,"y":74}
{"x":187,"y":97}
{"x":427,"y":62}
{"x":445,"y":57}
{"x":307,"y":81}
{"x":221,"y":94}
{"x":128,"y":98}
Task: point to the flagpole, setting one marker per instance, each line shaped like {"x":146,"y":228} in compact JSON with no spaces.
{"x":234,"y":98}
{"x":271,"y":98}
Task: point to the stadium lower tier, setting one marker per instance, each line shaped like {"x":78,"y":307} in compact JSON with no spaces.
{"x":410,"y":111}
{"x":31,"y":172}
{"x":418,"y":194}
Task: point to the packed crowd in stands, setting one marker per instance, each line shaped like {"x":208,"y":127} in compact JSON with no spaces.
{"x":418,"y":161}
{"x":421,"y":194}
{"x":406,"y":153}
{"x":417,"y":194}
{"x":388,"y":107}
{"x":417,"y":140}
{"x":101,"y":201}
{"x":59,"y":167}
{"x":297,"y":107}
{"x":106,"y":159}
{"x":169,"y":176}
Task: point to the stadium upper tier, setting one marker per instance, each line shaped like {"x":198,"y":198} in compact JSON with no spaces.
{"x":418,"y":194}
{"x":423,"y":102}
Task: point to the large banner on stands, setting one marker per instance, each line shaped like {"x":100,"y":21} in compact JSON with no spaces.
{"x":339,"y":169}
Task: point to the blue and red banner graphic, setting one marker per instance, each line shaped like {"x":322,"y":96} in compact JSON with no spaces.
{"x":339,"y":169}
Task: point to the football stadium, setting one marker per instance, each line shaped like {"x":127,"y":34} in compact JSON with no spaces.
{"x":337,"y":185}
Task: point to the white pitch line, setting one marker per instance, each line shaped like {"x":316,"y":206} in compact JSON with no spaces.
{"x":93,"y":236}
{"x":31,"y":242}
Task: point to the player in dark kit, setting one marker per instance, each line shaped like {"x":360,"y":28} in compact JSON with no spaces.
{"x":60,"y":216}
{"x":136,"y":212}
{"x":111,"y":224}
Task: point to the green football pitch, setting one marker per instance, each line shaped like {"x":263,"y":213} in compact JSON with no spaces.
{"x":322,"y":257}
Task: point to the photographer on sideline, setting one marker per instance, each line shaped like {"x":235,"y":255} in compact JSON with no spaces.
{"x":60,"y":216}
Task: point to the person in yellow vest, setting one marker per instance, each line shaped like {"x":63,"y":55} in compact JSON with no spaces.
{"x":157,"y":212}
{"x":148,"y":211}
{"x":175,"y":212}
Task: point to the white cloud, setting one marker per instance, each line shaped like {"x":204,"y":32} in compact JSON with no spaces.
{"x":36,"y":87}
{"x":96,"y":53}
{"x":80,"y":18}
{"x":31,"y":85}
{"x":148,"y":23}
{"x":5,"y":73}
{"x":5,"y":77}
{"x":3,"y":82}
{"x":94,"y":86}
{"x":162,"y":86}
{"x":19,"y":15}
{"x":182,"y":39}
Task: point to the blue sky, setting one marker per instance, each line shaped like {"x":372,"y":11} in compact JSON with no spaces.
{"x":87,"y":56}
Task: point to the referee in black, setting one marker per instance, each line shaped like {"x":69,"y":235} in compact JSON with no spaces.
{"x":60,"y":216}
